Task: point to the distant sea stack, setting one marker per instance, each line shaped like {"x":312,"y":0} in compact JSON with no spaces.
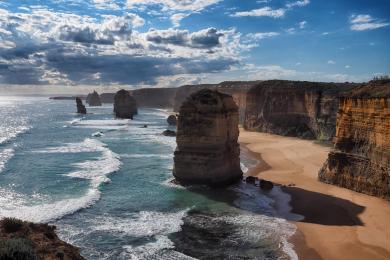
{"x":207,"y":149}
{"x":80,"y":107}
{"x":93,"y":99}
{"x":361,"y":157}
{"x":294,"y":108}
{"x":172,"y":120}
{"x":125,"y":105}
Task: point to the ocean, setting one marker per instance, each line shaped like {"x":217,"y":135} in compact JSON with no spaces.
{"x":105,"y":184}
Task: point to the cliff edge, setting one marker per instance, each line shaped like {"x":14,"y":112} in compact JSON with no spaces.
{"x":361,"y":157}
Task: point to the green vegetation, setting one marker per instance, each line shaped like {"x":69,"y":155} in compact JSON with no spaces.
{"x":17,"y":249}
{"x":12,"y":225}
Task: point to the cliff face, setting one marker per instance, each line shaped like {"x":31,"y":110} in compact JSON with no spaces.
{"x":207,"y":150}
{"x":237,"y":90}
{"x":93,"y":99}
{"x":125,"y":105}
{"x":361,"y":157}
{"x":155,"y":97}
{"x":294,"y":108}
{"x":80,"y":107}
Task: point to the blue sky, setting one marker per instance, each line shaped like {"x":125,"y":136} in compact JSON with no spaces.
{"x":144,"y":43}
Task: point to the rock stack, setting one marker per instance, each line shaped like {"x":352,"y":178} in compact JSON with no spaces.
{"x":93,"y":99}
{"x":124,"y":105}
{"x":172,"y":120}
{"x":80,"y":107}
{"x":207,"y":149}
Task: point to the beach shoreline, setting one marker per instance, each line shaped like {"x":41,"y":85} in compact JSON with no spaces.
{"x":337,"y":222}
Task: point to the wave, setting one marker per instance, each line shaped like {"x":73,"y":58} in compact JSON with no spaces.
{"x":103,"y":124}
{"x":9,"y":132}
{"x":96,"y":171}
{"x":5,"y":155}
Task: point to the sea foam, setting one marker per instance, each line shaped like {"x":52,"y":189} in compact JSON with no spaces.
{"x":96,"y":171}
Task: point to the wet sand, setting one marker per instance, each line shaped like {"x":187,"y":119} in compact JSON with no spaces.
{"x":338,"y":223}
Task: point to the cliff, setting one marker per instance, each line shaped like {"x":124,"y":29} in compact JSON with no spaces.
{"x":155,"y":97}
{"x":237,"y":89}
{"x":207,"y":132}
{"x":80,"y":107}
{"x":125,"y":105}
{"x":24,"y":240}
{"x":360,"y":159}
{"x":93,"y":99}
{"x":294,"y":108}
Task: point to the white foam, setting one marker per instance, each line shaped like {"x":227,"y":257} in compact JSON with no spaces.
{"x":5,"y":155}
{"x":244,"y":168}
{"x":111,"y":124}
{"x":9,"y":132}
{"x":94,"y":170}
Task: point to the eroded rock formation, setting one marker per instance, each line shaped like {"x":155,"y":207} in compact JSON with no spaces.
{"x":93,"y":99}
{"x":172,"y":120}
{"x":155,"y":97}
{"x":294,"y":108}
{"x":361,"y":157}
{"x":80,"y":107}
{"x":125,"y":105}
{"x":25,"y":240}
{"x":207,"y":150}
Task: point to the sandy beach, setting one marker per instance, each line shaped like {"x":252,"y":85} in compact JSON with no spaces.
{"x":338,"y":223}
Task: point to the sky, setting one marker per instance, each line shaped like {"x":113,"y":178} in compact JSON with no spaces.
{"x":68,"y":45}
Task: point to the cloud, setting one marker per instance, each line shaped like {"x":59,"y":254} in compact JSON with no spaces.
{"x":364,"y":22}
{"x":46,"y":47}
{"x":106,"y":4}
{"x":265,"y":11}
{"x":298,"y":3}
{"x":173,"y":5}
{"x":302,"y":24}
{"x":331,"y":62}
{"x":269,"y":72}
{"x":176,"y":18}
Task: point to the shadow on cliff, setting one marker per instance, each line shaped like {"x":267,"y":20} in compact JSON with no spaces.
{"x":317,"y":208}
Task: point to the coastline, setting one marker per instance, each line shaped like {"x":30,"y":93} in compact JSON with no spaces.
{"x":337,"y":221}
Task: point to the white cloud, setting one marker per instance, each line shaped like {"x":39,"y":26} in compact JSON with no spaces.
{"x":290,"y":30}
{"x":176,"y":18}
{"x":331,"y":62}
{"x":173,"y":5}
{"x":298,"y":64}
{"x":106,"y":4}
{"x":302,"y":24}
{"x":265,"y":11}
{"x":364,"y":22}
{"x":262,"y":35}
{"x":298,"y":3}
{"x":269,"y":72}
{"x":347,"y":66}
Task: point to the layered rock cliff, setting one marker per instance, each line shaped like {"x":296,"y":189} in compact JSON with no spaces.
{"x":125,"y":105}
{"x":93,"y":99}
{"x":155,"y":97}
{"x":237,"y":89}
{"x":24,"y":240}
{"x":360,"y":159}
{"x":207,"y":150}
{"x":80,"y":107}
{"x":294,"y":108}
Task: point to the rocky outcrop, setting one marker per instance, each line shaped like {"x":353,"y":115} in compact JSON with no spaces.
{"x":155,"y":97}
{"x":294,"y":108}
{"x":360,"y":159}
{"x":107,"y":98}
{"x":237,"y":89}
{"x":169,"y":133}
{"x":172,"y":120}
{"x":125,"y":105}
{"x":207,"y":150}
{"x":80,"y":107}
{"x":24,"y":240}
{"x":93,"y":99}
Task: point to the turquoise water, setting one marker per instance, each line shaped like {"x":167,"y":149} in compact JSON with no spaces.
{"x":105,"y":184}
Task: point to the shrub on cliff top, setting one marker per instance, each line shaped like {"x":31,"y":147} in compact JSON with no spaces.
{"x":11,"y":225}
{"x":17,"y":249}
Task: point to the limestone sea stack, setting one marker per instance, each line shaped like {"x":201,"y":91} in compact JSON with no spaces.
{"x":80,"y":107}
{"x":172,"y":120}
{"x":125,"y":105}
{"x":360,"y":159}
{"x":207,"y":132}
{"x":93,"y":99}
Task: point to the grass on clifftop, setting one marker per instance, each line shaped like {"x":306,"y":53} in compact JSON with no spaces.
{"x":17,"y":249}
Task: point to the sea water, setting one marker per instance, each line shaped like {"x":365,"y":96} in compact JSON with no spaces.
{"x":105,"y":184}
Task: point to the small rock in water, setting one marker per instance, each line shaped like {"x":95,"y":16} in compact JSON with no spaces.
{"x":169,"y":133}
{"x":251,"y":179}
{"x":145,"y":126}
{"x":97,"y":134}
{"x":266,"y":185}
{"x":172,"y":120}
